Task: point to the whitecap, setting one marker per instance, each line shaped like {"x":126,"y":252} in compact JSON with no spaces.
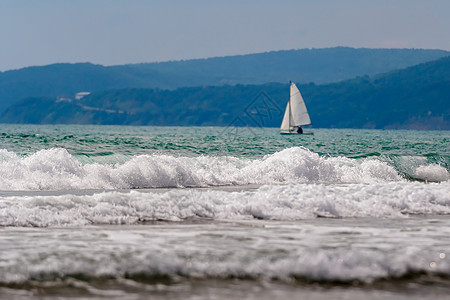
{"x":57,"y":169}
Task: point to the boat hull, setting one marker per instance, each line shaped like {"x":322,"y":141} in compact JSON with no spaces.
{"x":295,"y":133}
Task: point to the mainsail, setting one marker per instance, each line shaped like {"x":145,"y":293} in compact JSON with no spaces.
{"x":296,"y":113}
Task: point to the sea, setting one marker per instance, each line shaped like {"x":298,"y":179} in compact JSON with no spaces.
{"x":127,"y":212}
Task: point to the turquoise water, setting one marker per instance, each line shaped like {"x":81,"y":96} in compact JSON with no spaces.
{"x":94,"y":141}
{"x":223,"y":213}
{"x":402,"y":149}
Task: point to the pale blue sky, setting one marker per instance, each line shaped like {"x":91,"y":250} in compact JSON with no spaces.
{"x":108,"y":32}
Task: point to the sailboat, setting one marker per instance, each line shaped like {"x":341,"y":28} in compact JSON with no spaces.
{"x":296,"y":114}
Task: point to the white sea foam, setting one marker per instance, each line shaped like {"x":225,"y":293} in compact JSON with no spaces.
{"x":432,"y":173}
{"x":320,"y":251}
{"x":272,"y":202}
{"x":56,"y":169}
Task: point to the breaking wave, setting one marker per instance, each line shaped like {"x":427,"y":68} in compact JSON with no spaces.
{"x":57,"y":169}
{"x":311,"y":265}
{"x":273,"y":202}
{"x":344,"y":251}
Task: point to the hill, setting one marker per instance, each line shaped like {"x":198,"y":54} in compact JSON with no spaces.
{"x":417,"y":97}
{"x":303,"y":66}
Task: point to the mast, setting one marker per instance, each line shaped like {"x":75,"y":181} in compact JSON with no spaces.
{"x":290,"y":111}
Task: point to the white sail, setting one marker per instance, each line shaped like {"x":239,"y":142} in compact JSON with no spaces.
{"x":299,"y":112}
{"x":296,"y":113}
{"x":285,"y":123}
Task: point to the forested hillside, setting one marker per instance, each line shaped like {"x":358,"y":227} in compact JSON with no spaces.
{"x":417,"y":97}
{"x":302,"y":66}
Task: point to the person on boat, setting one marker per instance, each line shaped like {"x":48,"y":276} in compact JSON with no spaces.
{"x":299,"y":130}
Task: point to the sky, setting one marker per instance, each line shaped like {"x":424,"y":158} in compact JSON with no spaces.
{"x":113,"y":32}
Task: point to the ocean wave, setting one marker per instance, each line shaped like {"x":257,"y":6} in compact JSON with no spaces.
{"x":308,"y":265}
{"x":57,"y":169}
{"x":312,"y":252}
{"x":272,"y":202}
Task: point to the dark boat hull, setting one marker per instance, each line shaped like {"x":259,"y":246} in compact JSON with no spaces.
{"x":295,"y":133}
